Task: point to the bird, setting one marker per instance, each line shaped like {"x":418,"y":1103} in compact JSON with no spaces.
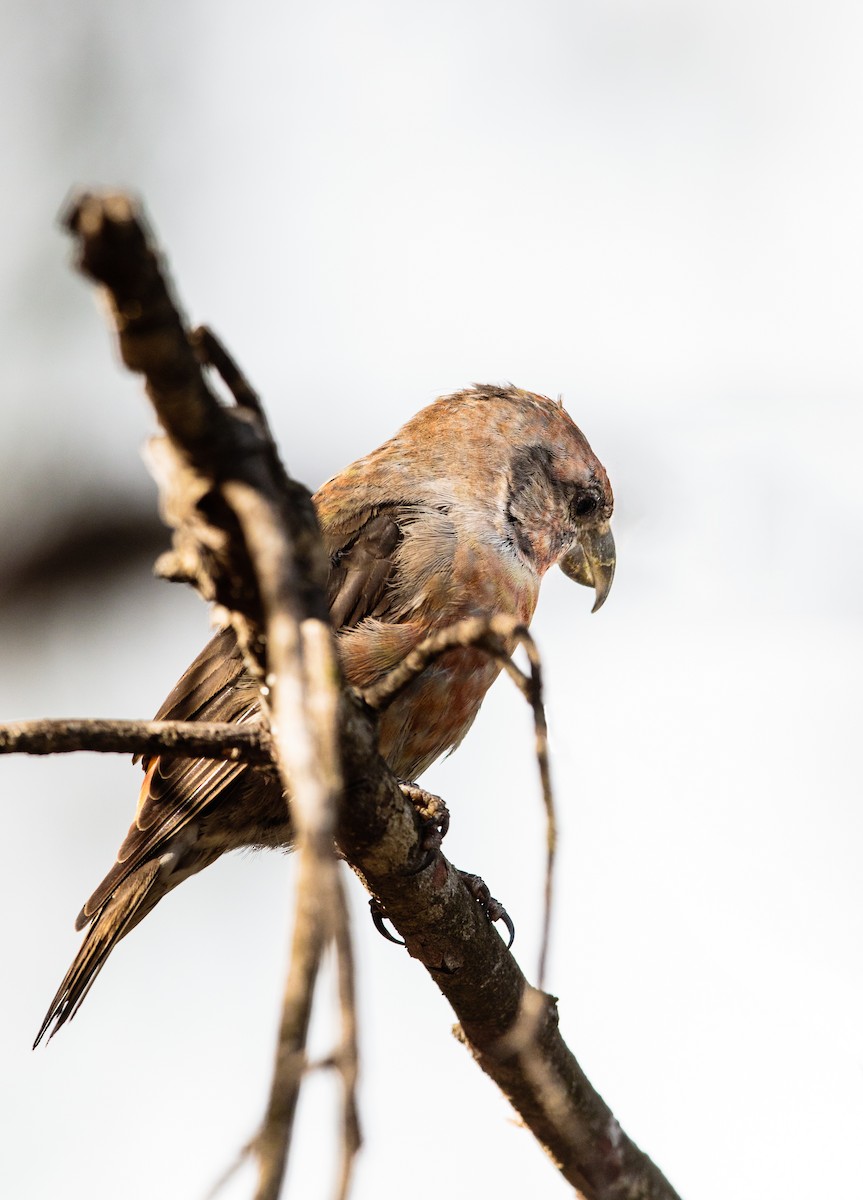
{"x":460,"y":514}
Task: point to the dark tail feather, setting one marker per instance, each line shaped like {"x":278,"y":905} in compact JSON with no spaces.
{"x":132,"y":901}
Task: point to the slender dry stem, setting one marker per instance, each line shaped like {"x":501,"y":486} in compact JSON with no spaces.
{"x":498,"y":636}
{"x":189,"y":739}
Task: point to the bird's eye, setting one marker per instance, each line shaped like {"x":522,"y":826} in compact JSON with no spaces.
{"x":584,"y":504}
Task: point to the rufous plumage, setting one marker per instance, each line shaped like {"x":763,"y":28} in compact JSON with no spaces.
{"x":460,"y":514}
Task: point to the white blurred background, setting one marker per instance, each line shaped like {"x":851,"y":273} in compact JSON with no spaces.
{"x":651,"y":208}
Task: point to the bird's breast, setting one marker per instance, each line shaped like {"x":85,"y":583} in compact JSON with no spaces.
{"x":489,"y":579}
{"x":431,"y":717}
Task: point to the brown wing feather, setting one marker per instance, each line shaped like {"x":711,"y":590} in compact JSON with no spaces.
{"x":176,"y":790}
{"x":136,"y":896}
{"x":362,"y":566}
{"x":215,"y":669}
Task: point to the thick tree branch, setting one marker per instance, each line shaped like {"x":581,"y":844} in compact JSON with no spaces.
{"x":511,"y":1029}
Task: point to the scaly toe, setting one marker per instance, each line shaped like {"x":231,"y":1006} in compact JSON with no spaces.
{"x":492,"y":908}
{"x":434,"y":815}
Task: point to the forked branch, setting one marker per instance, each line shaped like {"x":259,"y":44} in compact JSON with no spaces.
{"x":246,"y":536}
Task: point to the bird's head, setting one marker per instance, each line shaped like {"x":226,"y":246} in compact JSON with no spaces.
{"x":513,"y":462}
{"x":558,"y":500}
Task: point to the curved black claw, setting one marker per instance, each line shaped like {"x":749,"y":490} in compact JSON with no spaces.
{"x":434,"y":815}
{"x":493,"y":909}
{"x":379,"y":916}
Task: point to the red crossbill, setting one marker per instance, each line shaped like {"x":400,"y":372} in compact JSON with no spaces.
{"x":459,"y":515}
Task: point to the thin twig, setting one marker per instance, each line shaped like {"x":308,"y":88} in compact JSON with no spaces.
{"x":347,"y":1056}
{"x":522,"y":1041}
{"x":497,"y":636}
{"x":187,"y":739}
{"x":271,"y":1144}
{"x":211,"y":352}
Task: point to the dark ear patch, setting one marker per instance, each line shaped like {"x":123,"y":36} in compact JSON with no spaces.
{"x":528,"y":464}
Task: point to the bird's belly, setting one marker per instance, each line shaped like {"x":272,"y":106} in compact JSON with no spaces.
{"x":432,"y":715}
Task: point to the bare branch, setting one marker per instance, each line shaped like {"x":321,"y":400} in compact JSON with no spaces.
{"x":305,"y":679}
{"x":247,"y":536}
{"x":188,"y":739}
{"x":527,"y":1057}
{"x":347,"y":1059}
{"x":271,"y":1143}
{"x":211,"y":353}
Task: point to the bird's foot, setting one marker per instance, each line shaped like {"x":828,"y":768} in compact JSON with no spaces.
{"x":492,"y":908}
{"x":379,"y":917}
{"x":434,"y":815}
